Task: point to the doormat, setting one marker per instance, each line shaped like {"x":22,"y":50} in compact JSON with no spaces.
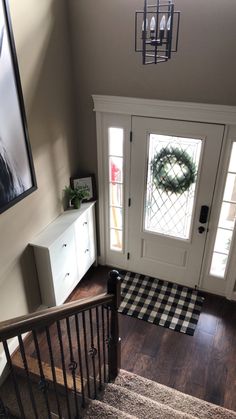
{"x":160,"y":302}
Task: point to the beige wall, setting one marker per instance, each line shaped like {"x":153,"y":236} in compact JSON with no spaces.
{"x":203,"y":70}
{"x":41,"y":36}
{"x":104,"y":63}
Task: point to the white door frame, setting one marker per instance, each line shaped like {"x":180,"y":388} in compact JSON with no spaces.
{"x":217,"y":114}
{"x":174,"y":259}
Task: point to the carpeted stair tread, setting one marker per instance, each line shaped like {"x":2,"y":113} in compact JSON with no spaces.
{"x":136,"y":405}
{"x":169,"y":397}
{"x":100,"y":410}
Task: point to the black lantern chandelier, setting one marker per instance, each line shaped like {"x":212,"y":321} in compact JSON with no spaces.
{"x":156,"y":31}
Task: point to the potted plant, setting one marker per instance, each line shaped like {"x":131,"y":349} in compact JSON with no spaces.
{"x":76,"y":195}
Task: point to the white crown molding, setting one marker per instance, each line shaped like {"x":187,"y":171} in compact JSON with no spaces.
{"x":187,"y":111}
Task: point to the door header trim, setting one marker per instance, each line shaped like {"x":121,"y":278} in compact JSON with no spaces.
{"x":187,"y":111}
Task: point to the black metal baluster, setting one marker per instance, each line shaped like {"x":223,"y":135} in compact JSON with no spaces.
{"x":104,"y":344}
{"x":43,"y":383}
{"x":63,"y":366}
{"x":108,"y":337}
{"x":53,"y":370}
{"x":86,"y":353}
{"x":72,"y":366}
{"x":25,"y":363}
{"x":114,"y":340}
{"x":93,"y":353}
{"x":18,"y":397}
{"x":99,"y":349}
{"x":80,"y":358}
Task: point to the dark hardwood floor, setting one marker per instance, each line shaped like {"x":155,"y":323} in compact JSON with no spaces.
{"x":203,"y":365}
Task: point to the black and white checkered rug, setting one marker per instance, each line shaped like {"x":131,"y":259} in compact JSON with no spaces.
{"x":160,"y":302}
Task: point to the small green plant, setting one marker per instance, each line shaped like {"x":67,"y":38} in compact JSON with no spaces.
{"x":76,"y":195}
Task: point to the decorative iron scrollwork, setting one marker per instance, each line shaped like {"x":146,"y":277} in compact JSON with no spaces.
{"x":73,"y":366}
{"x":93,"y":352}
{"x":43,"y":385}
{"x":108,"y":340}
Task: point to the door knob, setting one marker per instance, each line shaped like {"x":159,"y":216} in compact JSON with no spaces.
{"x":201,"y":229}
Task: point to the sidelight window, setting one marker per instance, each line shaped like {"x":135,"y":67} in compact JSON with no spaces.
{"x":116,"y":187}
{"x":226,"y":221}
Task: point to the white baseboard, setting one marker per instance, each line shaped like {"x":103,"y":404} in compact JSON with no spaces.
{"x":101,"y":261}
{"x":233,"y":296}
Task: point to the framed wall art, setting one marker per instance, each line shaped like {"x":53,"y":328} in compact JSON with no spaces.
{"x":17,"y":176}
{"x":88,"y":182}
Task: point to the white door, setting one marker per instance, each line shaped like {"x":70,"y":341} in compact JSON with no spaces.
{"x":173,"y":173}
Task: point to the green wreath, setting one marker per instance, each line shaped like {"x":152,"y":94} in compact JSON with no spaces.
{"x":164,"y":178}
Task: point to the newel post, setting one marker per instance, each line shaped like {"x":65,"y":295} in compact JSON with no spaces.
{"x":114,"y":347}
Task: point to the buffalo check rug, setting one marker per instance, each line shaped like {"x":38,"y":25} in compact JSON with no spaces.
{"x":160,"y":302}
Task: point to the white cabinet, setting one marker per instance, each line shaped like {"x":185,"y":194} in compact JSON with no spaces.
{"x":64,"y":251}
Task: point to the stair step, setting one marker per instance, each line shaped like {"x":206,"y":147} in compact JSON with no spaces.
{"x":100,"y":410}
{"x":173,"y":398}
{"x":35,"y":374}
{"x":142,"y":407}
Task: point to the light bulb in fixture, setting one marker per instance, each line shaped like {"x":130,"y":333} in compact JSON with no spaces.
{"x":162,"y":28}
{"x":144,"y":25}
{"x":168,"y":24}
{"x":143,"y":29}
{"x":152,"y":27}
{"x":163,"y":23}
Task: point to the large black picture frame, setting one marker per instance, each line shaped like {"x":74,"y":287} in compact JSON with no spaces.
{"x":17,"y":175}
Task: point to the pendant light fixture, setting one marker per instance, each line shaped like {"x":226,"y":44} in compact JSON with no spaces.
{"x":156,"y":31}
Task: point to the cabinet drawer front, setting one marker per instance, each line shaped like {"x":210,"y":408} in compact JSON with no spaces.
{"x":85,"y":247}
{"x":82,"y":231}
{"x":63,"y":256}
{"x":85,"y":261}
{"x":64,"y":285}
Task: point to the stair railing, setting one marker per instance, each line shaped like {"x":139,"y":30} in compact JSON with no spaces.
{"x":74,"y":350}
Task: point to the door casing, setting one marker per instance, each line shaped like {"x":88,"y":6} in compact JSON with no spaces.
{"x":126,"y":107}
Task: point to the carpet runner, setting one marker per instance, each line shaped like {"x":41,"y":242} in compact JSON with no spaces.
{"x":160,"y":302}
{"x":132,"y":396}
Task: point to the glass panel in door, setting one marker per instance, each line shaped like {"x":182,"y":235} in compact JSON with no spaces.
{"x":173,"y":167}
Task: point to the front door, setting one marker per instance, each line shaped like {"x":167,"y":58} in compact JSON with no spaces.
{"x":173,"y":173}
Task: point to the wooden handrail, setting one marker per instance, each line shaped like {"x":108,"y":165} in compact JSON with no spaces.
{"x":95,"y":334}
{"x":29,"y":322}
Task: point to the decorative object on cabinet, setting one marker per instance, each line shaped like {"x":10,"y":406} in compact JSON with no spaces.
{"x":64,"y":252}
{"x":76,"y":195}
{"x":89,"y":183}
{"x":17,"y":176}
